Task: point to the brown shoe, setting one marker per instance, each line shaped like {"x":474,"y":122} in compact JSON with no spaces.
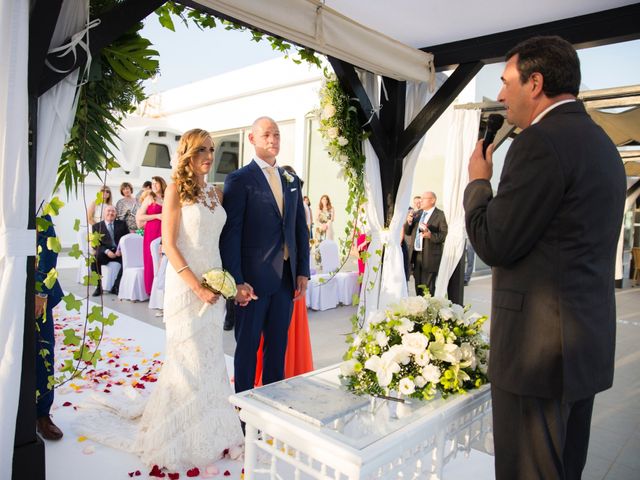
{"x":48,"y":429}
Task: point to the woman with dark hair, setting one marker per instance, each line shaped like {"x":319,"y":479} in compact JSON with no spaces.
{"x":149,"y":217}
{"x":126,"y":207}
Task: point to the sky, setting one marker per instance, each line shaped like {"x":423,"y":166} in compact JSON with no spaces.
{"x":189,"y":54}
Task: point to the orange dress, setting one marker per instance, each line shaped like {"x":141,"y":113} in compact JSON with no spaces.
{"x":299,"y":358}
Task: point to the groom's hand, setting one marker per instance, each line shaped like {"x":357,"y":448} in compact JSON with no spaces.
{"x":245,"y":294}
{"x":301,"y":287}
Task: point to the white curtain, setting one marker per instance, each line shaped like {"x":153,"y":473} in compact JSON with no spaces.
{"x":463,"y":136}
{"x":312,"y":23}
{"x":16,"y":242}
{"x":387,"y":285}
{"x":57,"y":106}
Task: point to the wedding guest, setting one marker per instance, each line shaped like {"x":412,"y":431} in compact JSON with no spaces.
{"x":126,"y":207}
{"x":308,"y":214}
{"x":426,"y":230}
{"x":95,"y":212}
{"x":265,"y":246}
{"x":112,"y":231}
{"x":324,"y":219}
{"x":417,"y":201}
{"x":149,"y":217}
{"x":46,"y":299}
{"x":146,"y":187}
{"x":550,"y":233}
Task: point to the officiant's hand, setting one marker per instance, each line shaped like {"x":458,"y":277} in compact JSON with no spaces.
{"x":301,"y":287}
{"x":479,"y":166}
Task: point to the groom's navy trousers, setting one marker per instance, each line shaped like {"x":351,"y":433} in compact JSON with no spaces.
{"x":271,"y":315}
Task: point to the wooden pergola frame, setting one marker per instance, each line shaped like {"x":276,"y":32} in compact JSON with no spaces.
{"x":390,"y":140}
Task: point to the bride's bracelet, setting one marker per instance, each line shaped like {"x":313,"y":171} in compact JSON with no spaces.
{"x":182,"y":269}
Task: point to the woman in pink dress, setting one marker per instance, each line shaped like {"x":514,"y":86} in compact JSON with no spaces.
{"x":149,"y":217}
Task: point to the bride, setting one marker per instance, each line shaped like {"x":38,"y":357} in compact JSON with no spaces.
{"x":187,"y":421}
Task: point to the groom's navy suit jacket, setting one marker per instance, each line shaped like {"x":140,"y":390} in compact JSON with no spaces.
{"x":252,"y":242}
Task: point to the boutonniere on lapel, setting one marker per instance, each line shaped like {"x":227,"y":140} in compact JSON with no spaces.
{"x":287,"y":176}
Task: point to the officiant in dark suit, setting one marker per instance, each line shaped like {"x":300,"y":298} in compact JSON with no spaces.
{"x":265,"y":246}
{"x":425,"y":231}
{"x":550,"y":233}
{"x":112,"y":231}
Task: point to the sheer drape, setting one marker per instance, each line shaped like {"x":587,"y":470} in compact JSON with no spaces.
{"x":16,"y":242}
{"x":461,"y":142}
{"x":386,"y":285}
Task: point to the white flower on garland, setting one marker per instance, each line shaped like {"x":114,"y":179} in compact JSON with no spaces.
{"x":405,"y":326}
{"x":468,"y":356}
{"x":343,"y":158}
{"x":406,"y":386}
{"x":422,"y":358}
{"x":333,"y":133}
{"x":420,"y":381}
{"x":327,"y":112}
{"x":431,"y":374}
{"x":342,"y":141}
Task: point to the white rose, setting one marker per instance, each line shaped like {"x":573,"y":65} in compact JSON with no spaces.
{"x":431,"y":373}
{"x":446,"y":313}
{"x":333,"y":132}
{"x":420,"y":381}
{"x":348,"y":367}
{"x":405,"y":326}
{"x":382,"y":339}
{"x":438,"y":302}
{"x":458,"y":312}
{"x":342,"y":141}
{"x":415,"y":343}
{"x":468,"y":355}
{"x":406,"y":386}
{"x":343,"y":158}
{"x":328,"y":111}
{"x":413,"y":305}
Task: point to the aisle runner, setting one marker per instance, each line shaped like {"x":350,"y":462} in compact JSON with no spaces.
{"x":132,"y":356}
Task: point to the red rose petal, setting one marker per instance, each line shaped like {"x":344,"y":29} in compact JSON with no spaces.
{"x":194,"y":472}
{"x":66,"y":404}
{"x":225,"y":452}
{"x":174,"y":476}
{"x":156,"y":472}
{"x":227,"y":473}
{"x":138,"y":473}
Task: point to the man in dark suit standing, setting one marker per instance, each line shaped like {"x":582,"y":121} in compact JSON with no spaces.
{"x":265,"y":246}
{"x":112,"y":231}
{"x":550,"y":233}
{"x":46,"y":299}
{"x":425,"y":231}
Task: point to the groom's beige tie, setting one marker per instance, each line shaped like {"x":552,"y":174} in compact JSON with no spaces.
{"x":276,"y":188}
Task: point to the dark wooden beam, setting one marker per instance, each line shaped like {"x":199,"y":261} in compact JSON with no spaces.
{"x":113,"y":24}
{"x":352,"y":85}
{"x":437,"y":105}
{"x":392,"y":120}
{"x":595,"y":29}
{"x":42,"y":22}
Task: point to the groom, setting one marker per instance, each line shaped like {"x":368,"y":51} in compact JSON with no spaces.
{"x":265,"y":246}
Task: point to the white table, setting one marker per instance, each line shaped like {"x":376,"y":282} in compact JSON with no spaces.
{"x":310,"y":427}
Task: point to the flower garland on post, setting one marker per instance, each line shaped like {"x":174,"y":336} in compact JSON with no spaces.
{"x":343,"y":136}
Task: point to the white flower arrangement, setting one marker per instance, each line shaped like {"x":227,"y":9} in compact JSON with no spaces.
{"x":218,"y":281}
{"x":418,"y":347}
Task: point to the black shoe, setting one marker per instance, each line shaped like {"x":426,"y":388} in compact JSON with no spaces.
{"x":466,"y":283}
{"x":228,"y":324}
{"x":48,"y":429}
{"x":97,"y":292}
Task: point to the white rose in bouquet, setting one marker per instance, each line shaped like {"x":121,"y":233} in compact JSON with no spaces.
{"x":218,"y":281}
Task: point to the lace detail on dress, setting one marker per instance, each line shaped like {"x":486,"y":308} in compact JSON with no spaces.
{"x":209,"y":197}
{"x":187,"y":420}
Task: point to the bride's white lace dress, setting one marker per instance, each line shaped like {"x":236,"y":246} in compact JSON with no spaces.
{"x":187,"y":420}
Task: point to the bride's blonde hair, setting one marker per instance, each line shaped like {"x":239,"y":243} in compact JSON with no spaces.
{"x":183,"y":176}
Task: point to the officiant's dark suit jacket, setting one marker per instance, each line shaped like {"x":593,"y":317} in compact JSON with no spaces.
{"x":252,"y":250}
{"x":550,"y":234}
{"x":431,"y":248}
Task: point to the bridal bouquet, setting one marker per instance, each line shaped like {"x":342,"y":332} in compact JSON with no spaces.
{"x":218,"y":281}
{"x":420,"y":346}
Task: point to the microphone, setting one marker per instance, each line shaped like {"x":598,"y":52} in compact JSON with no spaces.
{"x":494,"y":123}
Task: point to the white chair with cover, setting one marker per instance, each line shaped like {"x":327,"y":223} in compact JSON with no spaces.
{"x":322,"y":292}
{"x":156,"y":300}
{"x":109,"y":274}
{"x":347,"y":286}
{"x":132,"y":281}
{"x":83,"y":269}
{"x":329,"y":257}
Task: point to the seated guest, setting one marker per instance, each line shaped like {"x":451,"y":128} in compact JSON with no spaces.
{"x":112,"y":231}
{"x":126,"y":207}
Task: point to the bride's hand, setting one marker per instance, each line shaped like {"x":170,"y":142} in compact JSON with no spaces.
{"x":206,"y":295}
